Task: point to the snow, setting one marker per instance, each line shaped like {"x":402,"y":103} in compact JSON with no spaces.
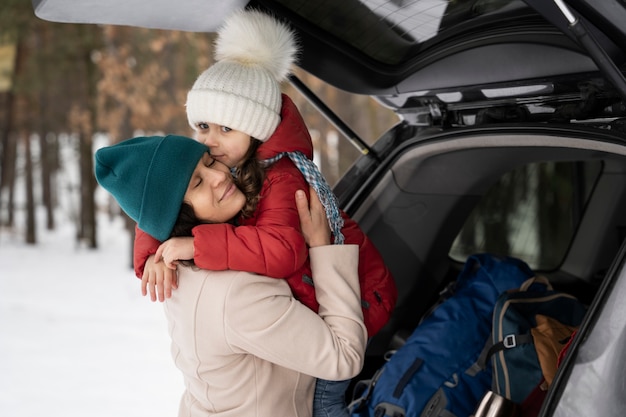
{"x":76,"y":336}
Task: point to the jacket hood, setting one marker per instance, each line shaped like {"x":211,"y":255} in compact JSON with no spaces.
{"x":291,"y":135}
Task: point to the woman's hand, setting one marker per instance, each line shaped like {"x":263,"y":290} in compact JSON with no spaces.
{"x":313,"y":221}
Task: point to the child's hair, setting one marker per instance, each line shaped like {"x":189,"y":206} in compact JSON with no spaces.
{"x":249,"y":177}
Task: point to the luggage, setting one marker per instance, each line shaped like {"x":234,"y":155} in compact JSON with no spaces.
{"x":434,"y":373}
{"x":531,"y":326}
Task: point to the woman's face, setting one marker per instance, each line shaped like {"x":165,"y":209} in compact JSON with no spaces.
{"x":227,"y":145}
{"x":212,"y":193}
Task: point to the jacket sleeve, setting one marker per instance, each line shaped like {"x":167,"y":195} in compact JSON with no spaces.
{"x":144,"y":246}
{"x":273,"y":245}
{"x":330,"y":345}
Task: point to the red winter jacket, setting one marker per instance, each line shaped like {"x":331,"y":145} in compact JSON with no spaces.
{"x":270,"y":243}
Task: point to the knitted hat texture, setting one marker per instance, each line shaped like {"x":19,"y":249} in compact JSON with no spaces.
{"x":254,"y":53}
{"x":148,"y":176}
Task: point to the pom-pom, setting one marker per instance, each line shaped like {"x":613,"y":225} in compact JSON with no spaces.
{"x":250,"y":37}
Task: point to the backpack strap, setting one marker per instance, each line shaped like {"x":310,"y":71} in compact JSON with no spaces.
{"x":509,"y":342}
{"x":363,"y":391}
{"x":537,"y":279}
{"x":481,"y":362}
{"x":490,"y":348}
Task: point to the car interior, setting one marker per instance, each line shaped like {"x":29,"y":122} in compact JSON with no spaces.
{"x":418,"y":210}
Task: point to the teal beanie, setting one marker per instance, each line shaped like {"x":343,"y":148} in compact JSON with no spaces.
{"x":148,"y":176}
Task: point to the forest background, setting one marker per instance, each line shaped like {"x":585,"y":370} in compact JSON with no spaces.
{"x":72,"y":84}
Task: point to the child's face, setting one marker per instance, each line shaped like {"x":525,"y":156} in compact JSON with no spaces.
{"x":212,"y":193}
{"x":227,"y":145}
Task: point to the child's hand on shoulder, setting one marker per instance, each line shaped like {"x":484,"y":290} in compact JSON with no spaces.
{"x":175,"y":249}
{"x":158,"y":280}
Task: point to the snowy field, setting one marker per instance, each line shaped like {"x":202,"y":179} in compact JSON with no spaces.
{"x":76,"y":336}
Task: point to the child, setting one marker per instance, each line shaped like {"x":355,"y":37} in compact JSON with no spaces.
{"x":237,"y":110}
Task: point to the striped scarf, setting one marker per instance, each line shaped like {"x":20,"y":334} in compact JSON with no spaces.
{"x":315,"y":179}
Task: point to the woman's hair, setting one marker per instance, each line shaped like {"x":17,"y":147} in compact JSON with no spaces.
{"x":185,"y":221}
{"x":249,"y":178}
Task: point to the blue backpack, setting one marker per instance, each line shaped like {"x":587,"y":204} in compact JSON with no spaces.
{"x":435,"y":373}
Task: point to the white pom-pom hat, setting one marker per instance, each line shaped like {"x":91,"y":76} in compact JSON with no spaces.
{"x":254,"y":54}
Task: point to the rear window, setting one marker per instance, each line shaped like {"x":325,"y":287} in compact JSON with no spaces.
{"x":530,"y":213}
{"x":392,"y":31}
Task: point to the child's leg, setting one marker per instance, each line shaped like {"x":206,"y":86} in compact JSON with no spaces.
{"x":330,"y":398}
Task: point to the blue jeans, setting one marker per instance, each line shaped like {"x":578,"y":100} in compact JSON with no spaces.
{"x":330,"y":398}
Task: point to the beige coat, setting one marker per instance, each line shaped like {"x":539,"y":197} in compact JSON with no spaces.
{"x":247,"y":348}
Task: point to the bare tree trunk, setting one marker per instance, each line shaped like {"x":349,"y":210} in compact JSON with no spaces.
{"x":5,"y":101}
{"x":47,"y":176}
{"x":9,"y":149}
{"x":7,"y":157}
{"x":9,"y":154}
{"x":87,"y":212}
{"x":49,"y":158}
{"x":88,"y":227}
{"x":31,"y":225}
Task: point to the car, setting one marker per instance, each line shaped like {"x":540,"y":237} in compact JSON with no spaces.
{"x":511,"y":141}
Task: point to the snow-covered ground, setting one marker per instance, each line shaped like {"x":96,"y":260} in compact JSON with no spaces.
{"x":76,"y":336}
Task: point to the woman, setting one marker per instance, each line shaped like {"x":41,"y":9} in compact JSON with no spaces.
{"x":245,"y":346}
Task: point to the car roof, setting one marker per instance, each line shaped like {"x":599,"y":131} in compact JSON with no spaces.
{"x":382,"y":47}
